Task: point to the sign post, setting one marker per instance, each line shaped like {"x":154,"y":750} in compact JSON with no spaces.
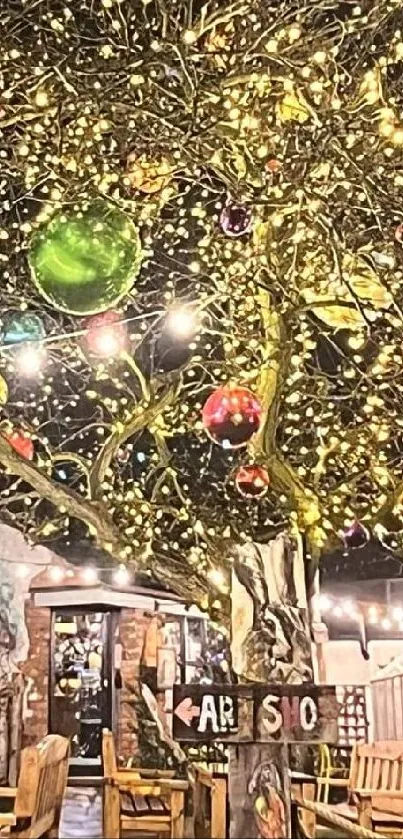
{"x":240,"y":713}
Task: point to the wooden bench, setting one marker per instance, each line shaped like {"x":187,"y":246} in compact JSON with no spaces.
{"x":39,"y":794}
{"x":374,"y":789}
{"x":132,"y":802}
{"x":209,"y":804}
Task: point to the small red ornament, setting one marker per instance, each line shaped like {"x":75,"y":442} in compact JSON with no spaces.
{"x":273,"y":165}
{"x":22,"y":444}
{"x":106,"y":335}
{"x":231,"y":415}
{"x":252,"y":481}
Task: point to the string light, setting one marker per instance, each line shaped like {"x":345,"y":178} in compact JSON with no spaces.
{"x":29,"y":360}
{"x":56,"y":573}
{"x":182,"y":322}
{"x":325,"y":603}
{"x":121,"y":576}
{"x":90,"y":574}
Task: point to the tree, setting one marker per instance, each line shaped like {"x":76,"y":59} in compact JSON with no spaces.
{"x":168,"y":111}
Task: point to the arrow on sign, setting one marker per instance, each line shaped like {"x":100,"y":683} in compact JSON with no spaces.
{"x":186,"y":711}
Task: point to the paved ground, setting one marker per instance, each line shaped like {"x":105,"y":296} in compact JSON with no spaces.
{"x":82,"y":814}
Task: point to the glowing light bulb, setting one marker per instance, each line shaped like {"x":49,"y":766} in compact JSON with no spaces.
{"x":90,"y":574}
{"x":386,"y":623}
{"x":216,"y":577}
{"x":397,"y":613}
{"x":338,"y":612}
{"x":29,"y":360}
{"x":182,"y":322}
{"x":373,"y":614}
{"x":121,"y":576}
{"x":56,"y":573}
{"x":324,"y":603}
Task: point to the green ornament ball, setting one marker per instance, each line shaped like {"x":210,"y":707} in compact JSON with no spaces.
{"x":84,"y":262}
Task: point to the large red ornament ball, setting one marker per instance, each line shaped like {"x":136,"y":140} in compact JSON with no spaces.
{"x":22,"y":444}
{"x":106,"y":335}
{"x":252,"y":481}
{"x":231,"y":415}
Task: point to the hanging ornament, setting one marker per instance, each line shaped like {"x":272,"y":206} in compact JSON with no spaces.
{"x":236,"y":220}
{"x":3,"y":391}
{"x":148,"y":176}
{"x":21,"y":326}
{"x":273,"y":166}
{"x":106,"y":335}
{"x":231,"y":415}
{"x":355,"y":536}
{"x":252,"y":481}
{"x":22,"y":444}
{"x":84,"y":262}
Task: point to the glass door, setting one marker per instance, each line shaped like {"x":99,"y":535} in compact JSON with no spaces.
{"x":81,"y":684}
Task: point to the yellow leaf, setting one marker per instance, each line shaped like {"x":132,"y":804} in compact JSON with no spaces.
{"x":339,"y":317}
{"x":364,"y":282}
{"x":292,"y":107}
{"x":3,"y":391}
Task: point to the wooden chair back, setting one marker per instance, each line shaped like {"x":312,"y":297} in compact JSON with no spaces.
{"x":209,"y":805}
{"x":41,"y":785}
{"x":108,"y":754}
{"x":377,"y":769}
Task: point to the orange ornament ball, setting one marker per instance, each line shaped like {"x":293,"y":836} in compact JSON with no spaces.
{"x":231,"y":415}
{"x":252,"y":481}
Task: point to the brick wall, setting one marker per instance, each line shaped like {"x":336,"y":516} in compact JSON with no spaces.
{"x":133,"y":626}
{"x":38,"y":623}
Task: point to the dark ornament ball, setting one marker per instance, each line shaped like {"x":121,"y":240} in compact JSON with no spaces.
{"x":236,"y":220}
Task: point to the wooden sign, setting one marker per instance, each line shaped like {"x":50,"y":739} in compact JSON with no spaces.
{"x":270,"y":714}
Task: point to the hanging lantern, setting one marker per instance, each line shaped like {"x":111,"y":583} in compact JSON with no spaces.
{"x":356,"y":536}
{"x":231,"y":415}
{"x":236,"y":220}
{"x":84,"y":261}
{"x":106,"y":335}
{"x":252,"y":481}
{"x":22,"y":444}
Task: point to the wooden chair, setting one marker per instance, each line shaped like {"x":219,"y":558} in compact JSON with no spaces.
{"x":39,"y":794}
{"x":327,"y":771}
{"x":209,"y":804}
{"x":374,"y":788}
{"x":131,"y":802}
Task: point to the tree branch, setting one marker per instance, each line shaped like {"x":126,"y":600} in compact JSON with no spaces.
{"x":92,"y":513}
{"x":122,"y":433}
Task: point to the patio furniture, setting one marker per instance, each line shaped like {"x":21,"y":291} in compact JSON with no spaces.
{"x":39,"y":794}
{"x":131,"y":802}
